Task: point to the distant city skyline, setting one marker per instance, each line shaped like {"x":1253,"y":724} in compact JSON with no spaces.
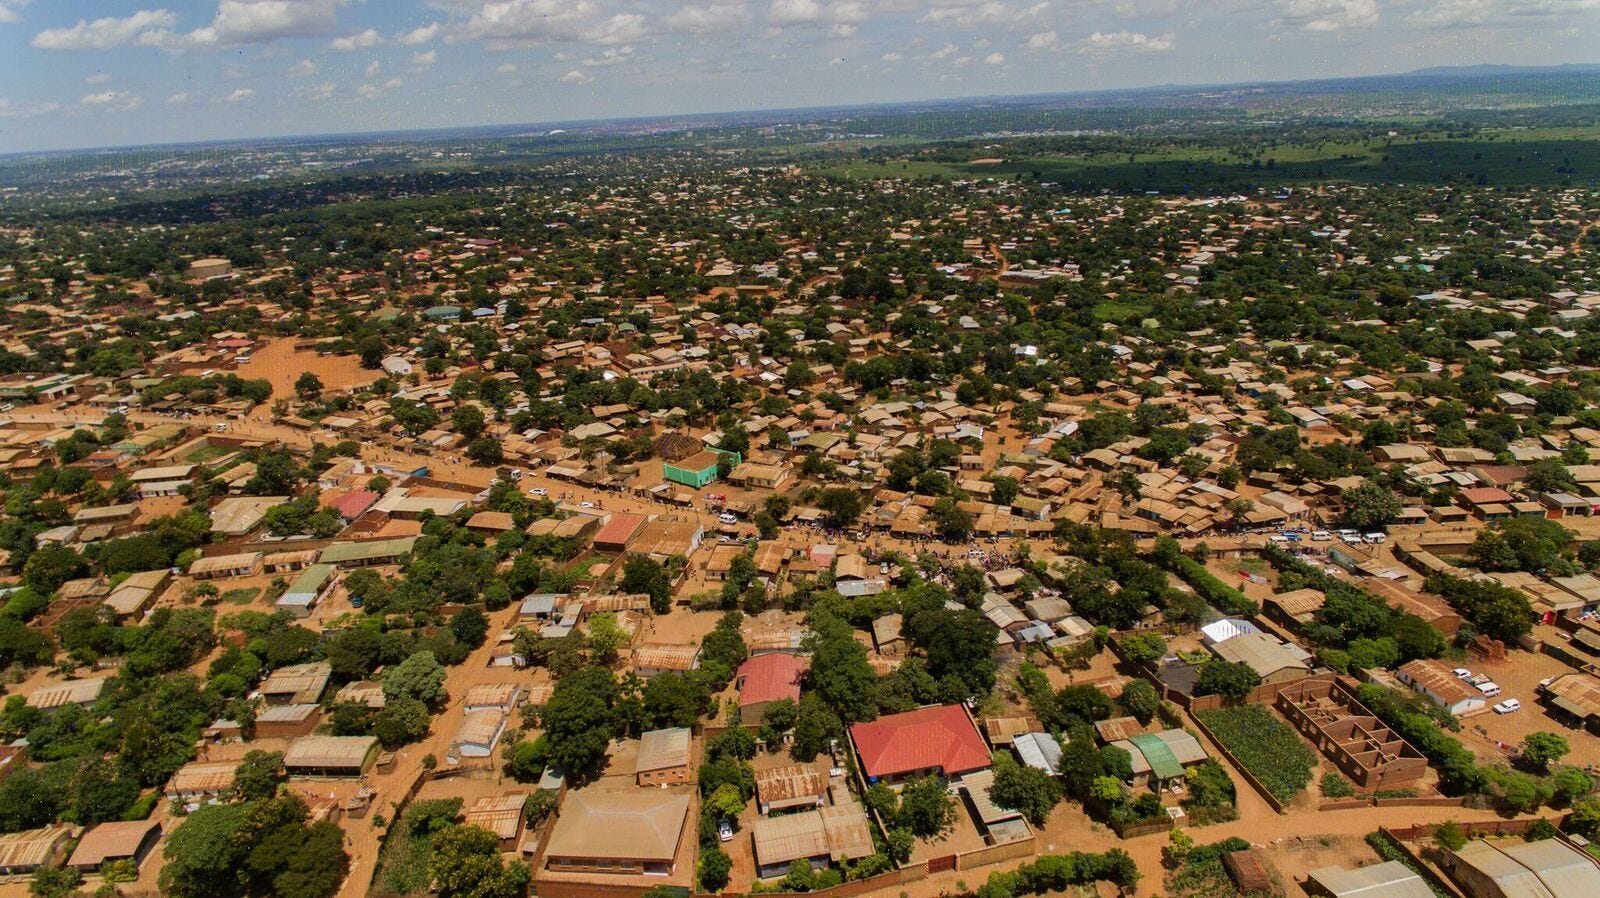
{"x":92,"y":73}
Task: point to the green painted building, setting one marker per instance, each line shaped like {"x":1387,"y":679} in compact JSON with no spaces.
{"x":698,"y":469}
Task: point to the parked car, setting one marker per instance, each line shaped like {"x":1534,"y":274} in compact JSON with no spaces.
{"x":1507,"y":706}
{"x":1374,"y":537}
{"x":540,"y":491}
{"x":1321,"y":536}
{"x":1462,"y":673}
{"x":1489,"y":690}
{"x":727,"y":518}
{"x":725,"y":830}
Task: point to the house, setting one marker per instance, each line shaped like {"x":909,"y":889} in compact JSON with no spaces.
{"x":1161,"y":758}
{"x":368,"y":552}
{"x":1390,"y":879}
{"x":501,"y":697}
{"x":1273,"y":661}
{"x":617,"y":532}
{"x":617,"y":832}
{"x":698,"y":469}
{"x":23,"y":852}
{"x":118,"y":841}
{"x":663,"y":757}
{"x":287,"y":721}
{"x":1443,"y":688}
{"x":790,"y":787}
{"x":297,"y":684}
{"x":1574,"y":697}
{"x":134,"y":595}
{"x":816,"y":837}
{"x":499,"y":814}
{"x":480,"y":732}
{"x":218,"y":567}
{"x":940,"y":739}
{"x":764,"y":679}
{"x":330,"y":756}
{"x":306,"y":590}
{"x":72,"y":692}
{"x":1366,"y":751}
{"x":201,"y":781}
{"x":1548,"y":868}
{"x":654,"y":658}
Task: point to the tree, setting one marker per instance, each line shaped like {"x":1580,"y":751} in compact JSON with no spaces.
{"x":468,"y":421}
{"x":1450,"y":835}
{"x":815,"y":724}
{"x":674,"y":700}
{"x":640,"y":574}
{"x":466,"y":863}
{"x":840,"y":505}
{"x":1140,"y":699}
{"x":1144,"y":648}
{"x":258,"y":775}
{"x":1541,"y":749}
{"x":486,"y":451}
{"x":579,"y":721}
{"x":308,"y":386}
{"x":49,"y":567}
{"x":1227,"y":679}
{"x":470,"y":626}
{"x":403,"y":720}
{"x":926,"y":807}
{"x":420,"y":676}
{"x":605,"y":637}
{"x":1022,"y":788}
{"x":55,"y":882}
{"x":1371,"y":505}
{"x":1549,"y":475}
{"x":715,"y":866}
{"x":1585,"y":818}
{"x":950,"y":520}
{"x":525,"y":762}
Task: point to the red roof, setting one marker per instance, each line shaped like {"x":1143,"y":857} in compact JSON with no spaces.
{"x":1485,"y":495}
{"x":351,"y":505}
{"x":619,"y":529}
{"x":942,"y":737}
{"x":770,"y":677}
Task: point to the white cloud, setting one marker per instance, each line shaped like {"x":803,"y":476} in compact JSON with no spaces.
{"x":111,"y":101}
{"x":891,"y":56}
{"x":1044,"y":40}
{"x":814,"y":12}
{"x":9,"y":109}
{"x":417,"y":36}
{"x":424,"y":60}
{"x":715,"y":16}
{"x":1456,"y":13}
{"x":305,"y":68}
{"x":240,"y":95}
{"x":576,"y":77}
{"x":9,"y":9}
{"x":506,"y":68}
{"x":359,"y":41}
{"x":319,"y":92}
{"x":252,"y":22}
{"x":98,"y":78}
{"x":609,"y":57}
{"x":1326,"y":15}
{"x":995,"y":59}
{"x":373,"y":91}
{"x":1115,"y":42}
{"x":103,"y":34}
{"x":373,"y":68}
{"x":507,"y":24}
{"x":179,"y":99}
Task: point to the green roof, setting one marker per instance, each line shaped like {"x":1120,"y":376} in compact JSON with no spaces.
{"x":339,"y":553}
{"x":1163,"y":764}
{"x":310,"y":580}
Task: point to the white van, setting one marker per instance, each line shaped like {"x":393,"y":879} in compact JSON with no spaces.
{"x":727,"y":518}
{"x":1321,"y":536}
{"x":1375,"y":537}
{"x":1490,"y":690}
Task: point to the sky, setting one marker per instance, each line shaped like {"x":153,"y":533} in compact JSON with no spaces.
{"x":90,"y":73}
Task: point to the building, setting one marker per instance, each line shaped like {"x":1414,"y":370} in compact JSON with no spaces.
{"x":23,"y":852}
{"x":649,"y":660}
{"x":817,"y":837}
{"x":663,"y":757}
{"x":307,"y":590}
{"x":617,"y":832}
{"x":1366,"y":751}
{"x":72,"y":692}
{"x":764,"y":679}
{"x":1160,"y":758}
{"x":1273,"y":661}
{"x":790,"y":787}
{"x":201,"y":781}
{"x":219,"y":567}
{"x":1434,"y":680}
{"x":135,"y":594}
{"x":368,"y":552}
{"x":493,"y":697}
{"x":698,"y":469}
{"x":940,"y":739}
{"x":297,"y":684}
{"x":1390,"y":879}
{"x":330,"y":756}
{"x":287,"y":721}
{"x":1576,"y":697}
{"x":480,"y":732}
{"x":1548,"y":868}
{"x":499,"y":814}
{"x":617,"y":532}
{"x":118,"y":841}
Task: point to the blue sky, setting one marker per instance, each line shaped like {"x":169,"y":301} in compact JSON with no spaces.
{"x":79,"y":73}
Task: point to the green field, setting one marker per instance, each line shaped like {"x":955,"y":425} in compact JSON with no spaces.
{"x":1552,"y":156}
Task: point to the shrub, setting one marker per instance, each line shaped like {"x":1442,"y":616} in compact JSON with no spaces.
{"x":1265,"y":746}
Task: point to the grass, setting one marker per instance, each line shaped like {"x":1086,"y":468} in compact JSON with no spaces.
{"x":206,"y":453}
{"x":242,"y":596}
{"x":1264,"y":745}
{"x":1549,"y":156}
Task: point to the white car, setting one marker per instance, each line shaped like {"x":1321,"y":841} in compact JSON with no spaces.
{"x":1462,"y":673}
{"x":727,"y":518}
{"x":1489,"y":690}
{"x":725,"y":830}
{"x":540,"y":491}
{"x":585,"y":504}
{"x":1507,"y":706}
{"x":1321,"y":536}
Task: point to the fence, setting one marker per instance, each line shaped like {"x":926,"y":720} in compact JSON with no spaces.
{"x":1485,"y":829}
{"x":994,"y":854}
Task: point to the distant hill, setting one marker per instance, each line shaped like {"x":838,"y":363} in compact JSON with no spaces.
{"x":1479,"y":71}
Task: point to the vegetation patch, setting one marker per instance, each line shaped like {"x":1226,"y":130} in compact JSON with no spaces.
{"x":1265,"y":746}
